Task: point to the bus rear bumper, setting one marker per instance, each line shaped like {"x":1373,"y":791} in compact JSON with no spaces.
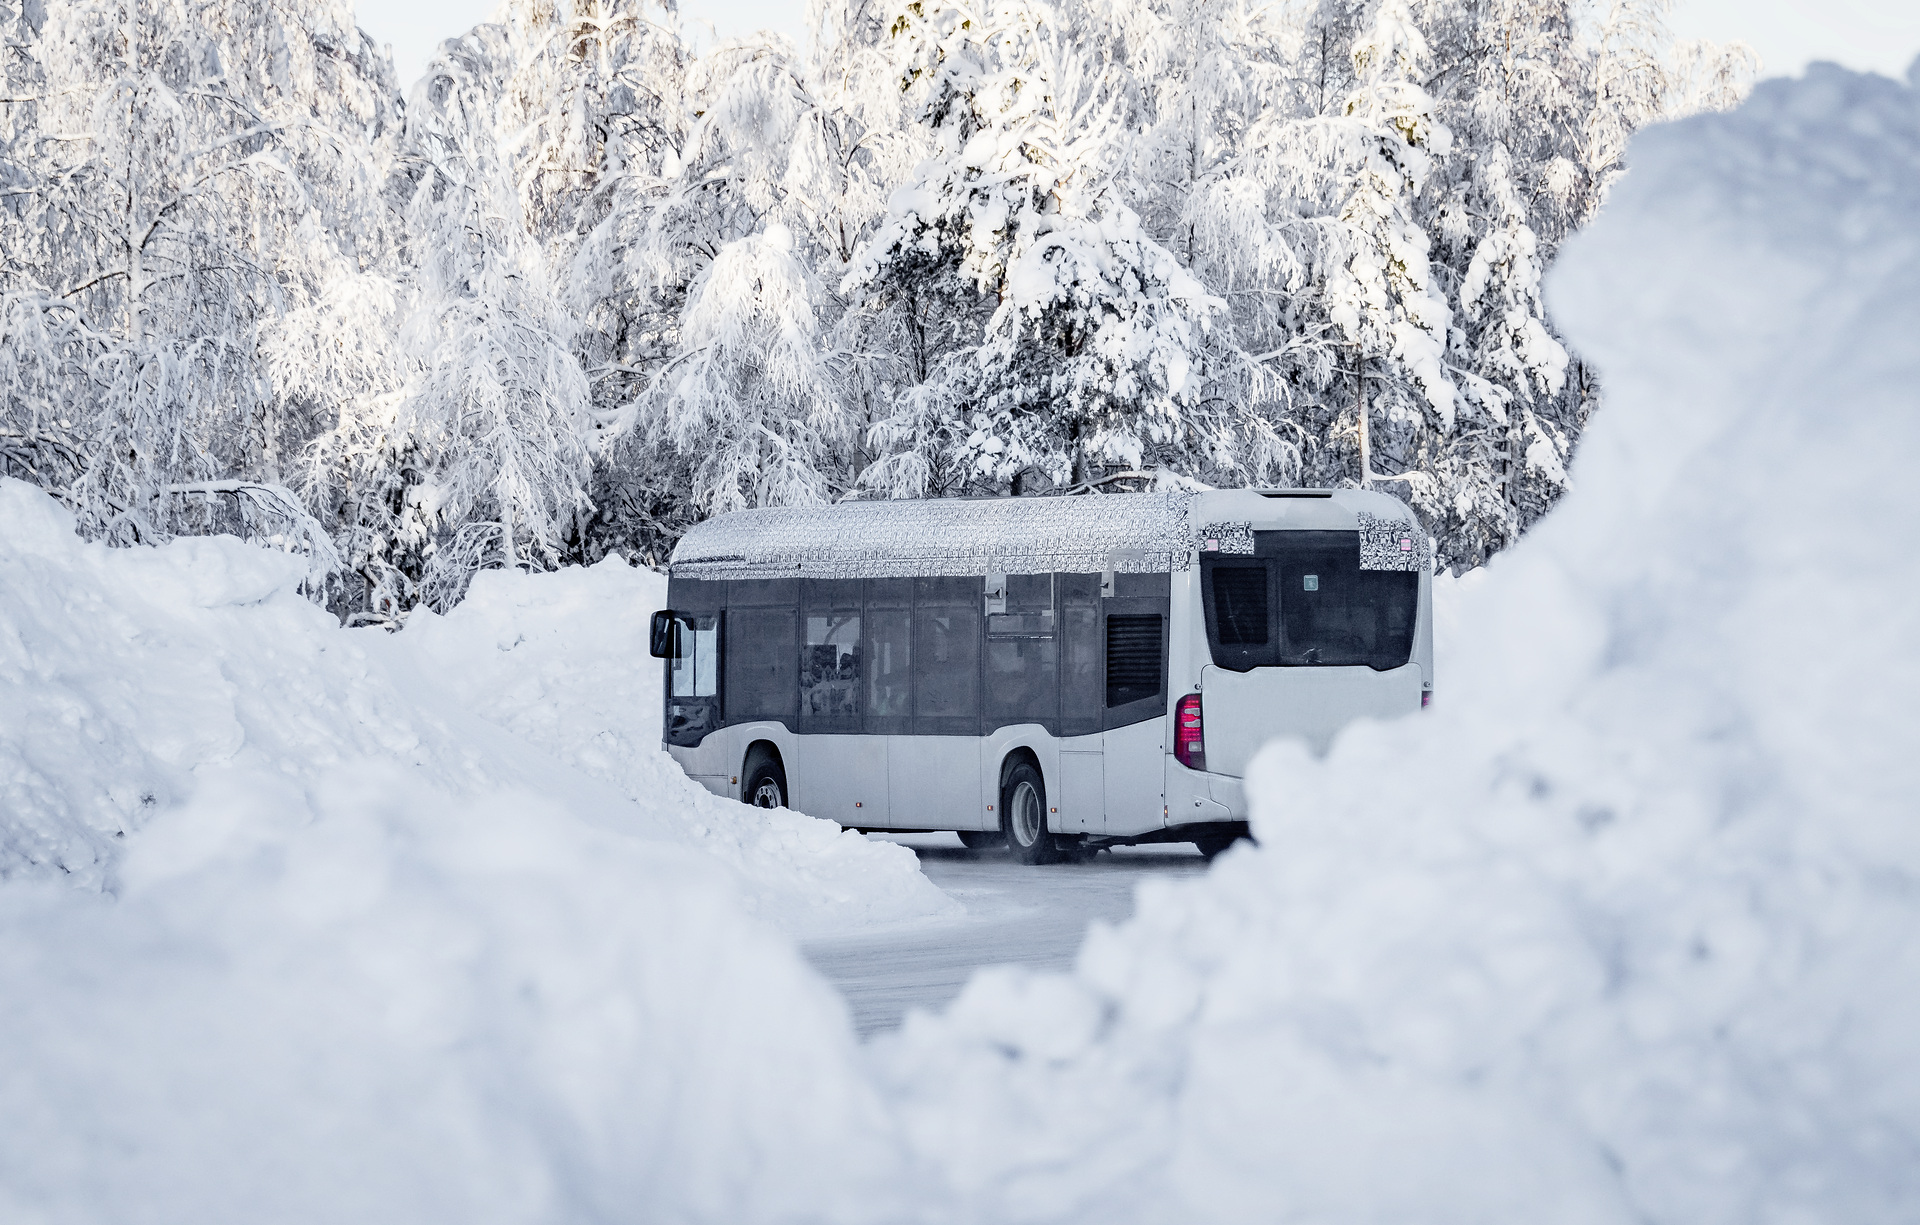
{"x":1195,"y":797}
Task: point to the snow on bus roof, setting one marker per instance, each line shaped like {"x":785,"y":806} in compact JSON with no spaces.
{"x":1130,"y":533}
{"x":1127,"y":532}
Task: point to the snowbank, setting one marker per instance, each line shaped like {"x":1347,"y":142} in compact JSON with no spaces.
{"x":346,"y":950}
{"x":1624,"y":929}
{"x":134,"y":671}
{"x":561,"y":661}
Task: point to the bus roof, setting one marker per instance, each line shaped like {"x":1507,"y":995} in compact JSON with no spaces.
{"x":1125,"y":532}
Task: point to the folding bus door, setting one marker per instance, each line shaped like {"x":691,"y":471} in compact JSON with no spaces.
{"x":1134,"y":710}
{"x":1082,"y":782}
{"x":839,"y":772}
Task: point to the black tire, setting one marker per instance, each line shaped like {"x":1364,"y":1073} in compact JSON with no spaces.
{"x":983,"y":839}
{"x":1211,"y":844}
{"x":1023,"y":815}
{"x":766,"y":781}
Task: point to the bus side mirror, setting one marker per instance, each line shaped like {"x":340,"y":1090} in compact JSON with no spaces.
{"x":660,"y":635}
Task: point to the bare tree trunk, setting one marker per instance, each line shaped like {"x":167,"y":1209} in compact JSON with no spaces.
{"x":1360,"y":409}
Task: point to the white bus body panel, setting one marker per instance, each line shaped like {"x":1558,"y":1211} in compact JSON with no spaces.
{"x":1135,"y":777}
{"x":1243,"y":710}
{"x":1083,"y":785}
{"x":842,"y":777}
{"x":934,"y":782}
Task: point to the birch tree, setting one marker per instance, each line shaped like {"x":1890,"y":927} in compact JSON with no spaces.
{"x":182,"y":173}
{"x":469,"y":450}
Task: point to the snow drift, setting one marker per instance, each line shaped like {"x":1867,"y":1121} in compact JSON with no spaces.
{"x":561,"y":661}
{"x":1624,"y":929}
{"x":343,"y":949}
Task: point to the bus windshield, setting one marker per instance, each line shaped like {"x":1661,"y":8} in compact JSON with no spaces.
{"x":1302,"y":600}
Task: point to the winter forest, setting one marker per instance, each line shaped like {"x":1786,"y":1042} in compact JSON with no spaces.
{"x":586,"y":282}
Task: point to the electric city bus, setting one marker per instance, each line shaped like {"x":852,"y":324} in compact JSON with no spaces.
{"x":1061,"y":673}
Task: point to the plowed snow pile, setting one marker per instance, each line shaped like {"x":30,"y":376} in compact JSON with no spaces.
{"x":561,"y":661}
{"x":1627,"y":929}
{"x":362,"y":954}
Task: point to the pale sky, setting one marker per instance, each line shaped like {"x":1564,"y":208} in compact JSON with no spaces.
{"x":1880,"y":35}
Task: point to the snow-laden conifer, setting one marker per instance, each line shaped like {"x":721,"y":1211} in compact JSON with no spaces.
{"x":1073,"y":343}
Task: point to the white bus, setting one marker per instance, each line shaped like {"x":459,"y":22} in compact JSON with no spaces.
{"x":1061,"y":673}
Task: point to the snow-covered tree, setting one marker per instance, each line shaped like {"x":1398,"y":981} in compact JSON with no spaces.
{"x":604,"y":286}
{"x":468,"y":450}
{"x":1383,"y":297}
{"x":1068,"y":342}
{"x":757,"y":403}
{"x":751,"y":401}
{"x":181,"y":173}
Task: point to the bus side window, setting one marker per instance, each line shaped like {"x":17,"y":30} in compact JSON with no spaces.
{"x":1023,"y":657}
{"x":830,"y":666}
{"x":946,"y":658}
{"x":761,"y":651}
{"x":889,"y":663}
{"x":1082,"y":688}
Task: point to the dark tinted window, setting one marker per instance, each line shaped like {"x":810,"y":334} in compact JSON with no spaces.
{"x":947,"y":668}
{"x":762,"y":593}
{"x":1133,"y":657}
{"x":762,"y":651}
{"x":1303,"y":601}
{"x":1240,"y":605}
{"x":947,"y":631}
{"x":830,"y":666}
{"x":1023,"y":659}
{"x":889,"y":664}
{"x":1082,"y":687}
{"x":1334,"y":614}
{"x":1022,"y":681}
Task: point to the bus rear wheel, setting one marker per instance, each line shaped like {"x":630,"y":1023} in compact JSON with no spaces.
{"x":1023,"y":815}
{"x":1214,"y":842}
{"x":766,"y":785}
{"x":983,"y":839}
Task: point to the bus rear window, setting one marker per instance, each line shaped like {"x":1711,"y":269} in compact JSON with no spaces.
{"x":1303,"y":601}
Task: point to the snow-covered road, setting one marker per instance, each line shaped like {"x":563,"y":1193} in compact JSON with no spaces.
{"x":1014,"y":913}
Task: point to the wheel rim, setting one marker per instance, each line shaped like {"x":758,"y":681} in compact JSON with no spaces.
{"x":1027,"y":822}
{"x":767,"y":795}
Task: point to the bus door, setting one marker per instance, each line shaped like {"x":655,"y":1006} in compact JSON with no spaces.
{"x":1133,"y":642}
{"x":839,"y":772}
{"x":1112,"y":702}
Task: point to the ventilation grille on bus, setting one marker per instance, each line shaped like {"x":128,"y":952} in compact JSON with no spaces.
{"x":1133,"y":658}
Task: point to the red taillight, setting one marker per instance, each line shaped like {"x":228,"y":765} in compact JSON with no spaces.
{"x":1426,"y":698}
{"x":1189,"y":741}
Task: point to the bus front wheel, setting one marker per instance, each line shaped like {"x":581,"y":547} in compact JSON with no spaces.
{"x":1023,"y":815}
{"x":766,"y":781}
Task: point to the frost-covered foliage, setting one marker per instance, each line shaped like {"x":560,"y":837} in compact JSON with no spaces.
{"x":1075,"y":342}
{"x":178,"y":176}
{"x":587,"y":286}
{"x":475,"y":453}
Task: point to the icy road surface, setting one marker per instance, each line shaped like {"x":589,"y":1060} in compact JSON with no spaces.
{"x":1034,"y":916}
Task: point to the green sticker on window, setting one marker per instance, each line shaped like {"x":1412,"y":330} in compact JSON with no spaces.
{"x":1311,"y":582}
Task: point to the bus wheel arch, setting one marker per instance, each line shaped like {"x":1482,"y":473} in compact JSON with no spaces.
{"x":1023,"y":809}
{"x":763,"y":777}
